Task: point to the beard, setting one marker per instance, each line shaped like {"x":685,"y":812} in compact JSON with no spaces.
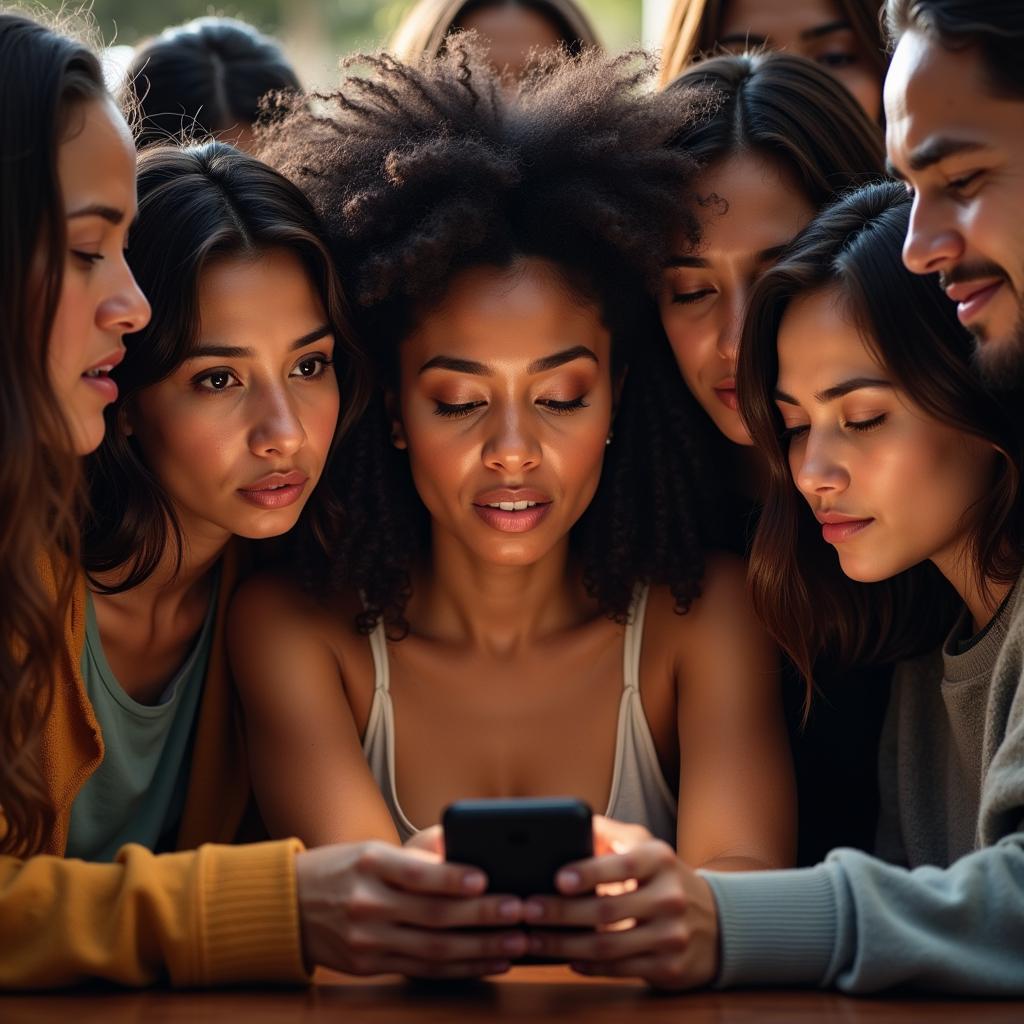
{"x":1000,"y":363}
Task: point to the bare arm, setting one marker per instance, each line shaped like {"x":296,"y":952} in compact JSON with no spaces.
{"x":309,"y":774}
{"x":737,"y":802}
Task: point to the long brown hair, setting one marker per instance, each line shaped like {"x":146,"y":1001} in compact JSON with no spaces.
{"x":695,"y":26}
{"x":43,"y":75}
{"x":799,"y":589}
{"x":422,"y":33}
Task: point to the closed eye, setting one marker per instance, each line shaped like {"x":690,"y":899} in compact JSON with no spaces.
{"x":454,"y":411}
{"x":861,"y":425}
{"x":687,"y":298}
{"x":556,"y":406}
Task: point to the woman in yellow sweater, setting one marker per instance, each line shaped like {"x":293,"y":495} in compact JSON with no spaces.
{"x":229,"y":406}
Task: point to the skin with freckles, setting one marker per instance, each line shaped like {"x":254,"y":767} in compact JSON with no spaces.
{"x":815,"y":29}
{"x":750,"y":209}
{"x":99,"y":300}
{"x":960,"y":149}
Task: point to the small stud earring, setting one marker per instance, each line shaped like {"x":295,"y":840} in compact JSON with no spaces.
{"x":608,"y":439}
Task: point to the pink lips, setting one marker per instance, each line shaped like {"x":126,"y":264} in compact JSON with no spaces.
{"x":511,"y":520}
{"x":725,"y":392}
{"x":98,"y":376}
{"x":275,"y":490}
{"x":972,"y":296}
{"x":837,"y":527}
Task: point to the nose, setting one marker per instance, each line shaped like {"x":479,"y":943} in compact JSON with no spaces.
{"x":513,"y":448}
{"x":933,"y":238}
{"x":126,"y":310}
{"x":277,"y":428}
{"x":817,"y":471}
{"x":733,"y":311}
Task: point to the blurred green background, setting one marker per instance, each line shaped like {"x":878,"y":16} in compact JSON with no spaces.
{"x":316,"y":33}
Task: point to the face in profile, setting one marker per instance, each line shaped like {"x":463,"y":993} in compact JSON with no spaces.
{"x":815,"y":29}
{"x":510,"y":31}
{"x":99,"y":300}
{"x":504,"y":407}
{"x":750,"y":210}
{"x":237,"y":436}
{"x":889,"y":484}
{"x":960,"y":149}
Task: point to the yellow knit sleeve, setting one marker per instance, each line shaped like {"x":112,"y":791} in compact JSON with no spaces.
{"x":216,"y":915}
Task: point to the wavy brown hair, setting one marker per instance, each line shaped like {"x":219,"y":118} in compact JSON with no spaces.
{"x":695,"y":27}
{"x":43,"y":77}
{"x":799,"y":589}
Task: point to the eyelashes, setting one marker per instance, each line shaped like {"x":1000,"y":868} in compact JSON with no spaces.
{"x":688,"y":298}
{"x":454,"y":411}
{"x":860,"y":426}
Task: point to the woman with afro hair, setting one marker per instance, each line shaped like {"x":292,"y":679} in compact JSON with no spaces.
{"x":519,"y":601}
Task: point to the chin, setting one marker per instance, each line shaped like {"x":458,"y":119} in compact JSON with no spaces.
{"x":88,"y":436}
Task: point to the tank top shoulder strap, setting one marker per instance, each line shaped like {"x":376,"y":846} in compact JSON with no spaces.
{"x":379,"y":650}
{"x":634,"y":639}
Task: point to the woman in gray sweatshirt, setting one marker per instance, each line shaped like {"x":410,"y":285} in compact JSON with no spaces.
{"x":892,"y":530}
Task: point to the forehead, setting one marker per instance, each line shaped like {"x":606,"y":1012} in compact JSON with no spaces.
{"x":931,"y":91}
{"x":819,"y":344}
{"x":96,"y":159}
{"x":520,"y":312}
{"x":780,"y":20}
{"x":749,"y":204}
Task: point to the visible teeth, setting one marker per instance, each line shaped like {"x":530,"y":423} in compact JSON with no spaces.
{"x":511,"y":506}
{"x":99,"y":371}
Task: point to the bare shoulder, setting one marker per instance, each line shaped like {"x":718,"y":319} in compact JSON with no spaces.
{"x":723,"y":597}
{"x":273,"y":620}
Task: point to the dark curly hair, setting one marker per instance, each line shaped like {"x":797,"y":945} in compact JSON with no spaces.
{"x":420,"y":173}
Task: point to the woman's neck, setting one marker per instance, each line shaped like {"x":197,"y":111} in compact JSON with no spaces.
{"x":982,"y":597}
{"x":173,"y":581}
{"x":499,"y":609}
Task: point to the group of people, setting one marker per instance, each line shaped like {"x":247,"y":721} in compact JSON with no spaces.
{"x":490,"y":430}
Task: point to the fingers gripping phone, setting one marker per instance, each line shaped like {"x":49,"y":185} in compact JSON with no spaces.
{"x":519,"y":843}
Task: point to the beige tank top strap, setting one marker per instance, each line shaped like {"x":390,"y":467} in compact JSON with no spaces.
{"x":379,"y":650}
{"x":634,"y":639}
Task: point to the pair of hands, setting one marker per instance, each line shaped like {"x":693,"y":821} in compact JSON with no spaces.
{"x":371,"y":908}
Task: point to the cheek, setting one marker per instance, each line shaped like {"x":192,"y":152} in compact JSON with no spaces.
{"x":68,"y":342}
{"x":691,"y":345}
{"x":319,"y":423}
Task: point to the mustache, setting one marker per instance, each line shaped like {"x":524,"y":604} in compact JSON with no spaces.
{"x":971,"y":272}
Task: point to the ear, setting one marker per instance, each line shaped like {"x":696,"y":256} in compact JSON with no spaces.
{"x":398,"y":438}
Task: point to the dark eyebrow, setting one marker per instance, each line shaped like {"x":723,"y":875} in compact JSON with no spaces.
{"x":839,"y":391}
{"x":934,"y":150}
{"x":816,"y":32}
{"x":481,"y":370}
{"x":456,"y":366}
{"x":842,"y":25}
{"x":240,"y":352}
{"x":108,"y":213}
{"x":764,"y":256}
{"x":561,"y":358}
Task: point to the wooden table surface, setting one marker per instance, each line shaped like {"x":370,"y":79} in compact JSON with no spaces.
{"x":536,"y":994}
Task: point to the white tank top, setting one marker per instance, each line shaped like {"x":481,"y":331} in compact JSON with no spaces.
{"x":639,"y":792}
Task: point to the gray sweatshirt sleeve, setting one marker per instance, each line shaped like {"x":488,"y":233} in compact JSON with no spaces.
{"x":860,"y":924}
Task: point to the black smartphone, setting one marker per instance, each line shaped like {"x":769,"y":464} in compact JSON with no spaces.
{"x":519,"y":843}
